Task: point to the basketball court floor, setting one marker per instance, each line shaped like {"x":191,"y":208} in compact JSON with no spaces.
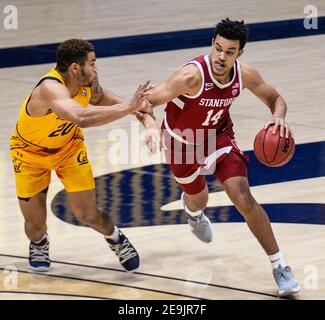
{"x":136,"y":187}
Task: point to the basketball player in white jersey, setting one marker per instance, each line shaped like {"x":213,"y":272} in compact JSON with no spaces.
{"x":198,"y":97}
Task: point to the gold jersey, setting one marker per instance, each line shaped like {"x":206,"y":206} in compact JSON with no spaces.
{"x":49,"y":131}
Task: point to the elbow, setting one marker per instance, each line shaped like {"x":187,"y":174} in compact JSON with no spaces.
{"x":81,"y":122}
{"x":82,"y":119}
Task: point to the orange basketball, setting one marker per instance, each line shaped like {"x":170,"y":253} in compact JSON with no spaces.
{"x":273,"y":150}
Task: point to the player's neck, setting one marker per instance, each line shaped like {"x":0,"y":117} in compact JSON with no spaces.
{"x":224,"y":78}
{"x":72,"y":85}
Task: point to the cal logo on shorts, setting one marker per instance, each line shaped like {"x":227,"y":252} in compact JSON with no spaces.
{"x":82,"y":158}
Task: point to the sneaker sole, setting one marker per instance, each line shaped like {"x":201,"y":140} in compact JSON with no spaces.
{"x":205,"y":241}
{"x":290,"y":292}
{"x":40,"y":269}
{"x":133,"y":270}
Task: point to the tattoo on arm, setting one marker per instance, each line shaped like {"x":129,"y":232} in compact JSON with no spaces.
{"x":96,"y":92}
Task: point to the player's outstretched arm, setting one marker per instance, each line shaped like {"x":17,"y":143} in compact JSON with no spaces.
{"x":103,"y":97}
{"x":186,"y":80}
{"x":253,"y":81}
{"x":59,"y":100}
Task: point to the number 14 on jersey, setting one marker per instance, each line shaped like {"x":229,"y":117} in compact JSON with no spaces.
{"x":212,"y":119}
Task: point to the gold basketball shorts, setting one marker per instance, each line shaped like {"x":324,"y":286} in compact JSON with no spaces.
{"x":33,"y":165}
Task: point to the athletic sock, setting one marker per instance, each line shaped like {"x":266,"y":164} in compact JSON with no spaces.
{"x":192,"y":214}
{"x":276,"y":260}
{"x":114,"y":236}
{"x":40,"y":240}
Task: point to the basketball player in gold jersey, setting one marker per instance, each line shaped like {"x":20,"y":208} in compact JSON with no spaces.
{"x":48,"y":136}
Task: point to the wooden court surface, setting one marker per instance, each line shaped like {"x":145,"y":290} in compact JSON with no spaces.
{"x":175,"y":265}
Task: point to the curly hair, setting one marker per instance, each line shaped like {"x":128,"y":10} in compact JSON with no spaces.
{"x":72,"y":51}
{"x":232,"y":30}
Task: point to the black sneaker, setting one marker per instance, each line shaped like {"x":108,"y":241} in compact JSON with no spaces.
{"x":128,"y":256}
{"x":39,"y":255}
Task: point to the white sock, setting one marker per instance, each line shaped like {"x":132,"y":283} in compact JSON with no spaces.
{"x":114,"y":236}
{"x":40,"y":240}
{"x":193,"y":214}
{"x":276,"y":260}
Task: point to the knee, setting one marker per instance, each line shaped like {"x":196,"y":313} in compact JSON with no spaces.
{"x":85,"y":215}
{"x":89,"y":218}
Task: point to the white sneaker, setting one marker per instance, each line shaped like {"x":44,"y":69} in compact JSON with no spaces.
{"x":201,"y":227}
{"x":284,"y":278}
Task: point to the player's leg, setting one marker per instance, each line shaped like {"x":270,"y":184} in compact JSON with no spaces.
{"x":31,"y":186}
{"x":79,"y":183}
{"x":233,"y":175}
{"x":198,"y":221}
{"x":34,"y":212}
{"x":194,"y":198}
{"x":197,"y":201}
{"x":83,"y":206}
{"x":237,"y":189}
{"x":78,"y":180}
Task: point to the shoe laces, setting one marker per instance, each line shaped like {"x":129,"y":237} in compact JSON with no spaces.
{"x":39,"y":253}
{"x":124,"y":250}
{"x":198,"y":220}
{"x":287,"y":273}
{"x":283,"y":273}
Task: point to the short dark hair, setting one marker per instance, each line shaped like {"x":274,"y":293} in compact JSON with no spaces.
{"x":232,"y":30}
{"x":72,"y":51}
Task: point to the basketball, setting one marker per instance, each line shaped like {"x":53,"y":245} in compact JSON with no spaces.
{"x":273,"y":150}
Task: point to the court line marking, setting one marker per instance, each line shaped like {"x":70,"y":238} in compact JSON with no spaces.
{"x":105,"y":282}
{"x":161,"y":277}
{"x":159,"y":42}
{"x":53,"y":294}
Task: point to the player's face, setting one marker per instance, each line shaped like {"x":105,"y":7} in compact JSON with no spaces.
{"x":223,"y":55}
{"x":88,"y":71}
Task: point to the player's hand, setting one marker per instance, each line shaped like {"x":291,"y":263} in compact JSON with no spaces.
{"x":139,"y":100}
{"x":285,"y":130}
{"x":154,"y":139}
{"x":145,"y":108}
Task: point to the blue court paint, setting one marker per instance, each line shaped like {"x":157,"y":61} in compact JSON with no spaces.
{"x":164,"y":41}
{"x":134,"y":197}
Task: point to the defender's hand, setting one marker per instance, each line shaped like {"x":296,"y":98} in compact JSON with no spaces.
{"x":139,"y":100}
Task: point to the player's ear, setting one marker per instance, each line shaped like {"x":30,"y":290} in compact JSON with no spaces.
{"x":241,"y":51}
{"x":74,"y":67}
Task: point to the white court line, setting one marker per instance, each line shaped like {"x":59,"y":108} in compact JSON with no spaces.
{"x":299,"y":191}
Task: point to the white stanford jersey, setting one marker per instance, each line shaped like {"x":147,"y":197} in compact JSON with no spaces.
{"x":208,"y":109}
